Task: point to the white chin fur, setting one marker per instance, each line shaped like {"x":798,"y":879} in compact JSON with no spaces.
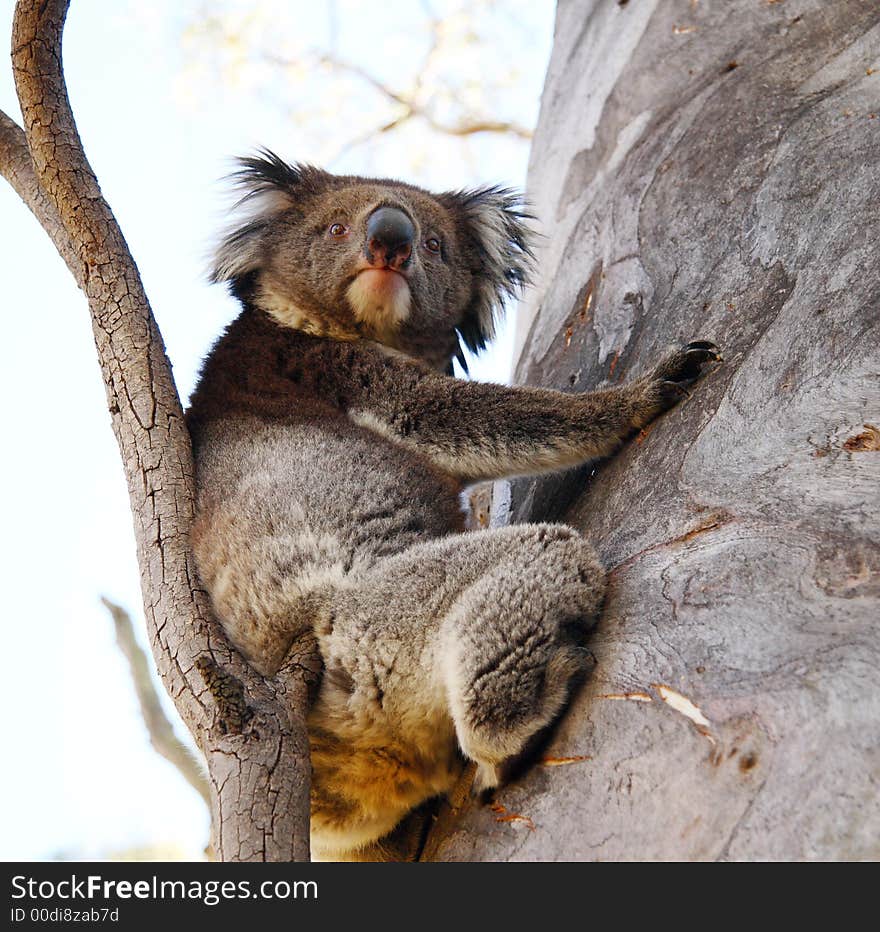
{"x":380,"y":300}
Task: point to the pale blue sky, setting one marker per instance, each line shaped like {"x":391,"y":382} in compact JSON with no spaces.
{"x":79,"y":775}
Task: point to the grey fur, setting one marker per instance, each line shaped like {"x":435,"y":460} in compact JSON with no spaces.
{"x":331,"y":452}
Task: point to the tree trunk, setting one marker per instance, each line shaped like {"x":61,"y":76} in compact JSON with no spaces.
{"x":251,"y":729}
{"x":712,"y":170}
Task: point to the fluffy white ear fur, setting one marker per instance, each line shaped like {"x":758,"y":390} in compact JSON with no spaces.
{"x":499,"y":227}
{"x":239,"y":251}
{"x":267,"y":185}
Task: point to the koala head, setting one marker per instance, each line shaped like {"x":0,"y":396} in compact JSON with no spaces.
{"x":366,"y":258}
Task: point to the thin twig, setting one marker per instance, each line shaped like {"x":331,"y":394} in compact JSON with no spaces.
{"x":162,"y":737}
{"x":412,"y":109}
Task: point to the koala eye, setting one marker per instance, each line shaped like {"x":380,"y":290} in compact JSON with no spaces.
{"x":338,"y":230}
{"x":432,"y":244}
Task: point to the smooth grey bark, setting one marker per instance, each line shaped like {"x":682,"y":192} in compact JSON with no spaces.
{"x":712,"y":170}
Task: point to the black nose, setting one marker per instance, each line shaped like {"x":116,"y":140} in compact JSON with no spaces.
{"x":390,"y":235}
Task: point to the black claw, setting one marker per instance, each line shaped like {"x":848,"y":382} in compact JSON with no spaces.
{"x":710,"y":348}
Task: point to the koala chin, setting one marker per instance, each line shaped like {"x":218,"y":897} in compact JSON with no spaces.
{"x":332,"y":445}
{"x":380,"y":299}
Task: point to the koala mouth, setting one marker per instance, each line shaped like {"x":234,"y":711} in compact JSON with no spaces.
{"x":383,"y":277}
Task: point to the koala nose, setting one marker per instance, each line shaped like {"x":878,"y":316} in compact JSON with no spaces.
{"x":390,"y":235}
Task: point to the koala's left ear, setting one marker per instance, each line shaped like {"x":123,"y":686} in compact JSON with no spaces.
{"x":500,"y":246}
{"x":269,"y":186}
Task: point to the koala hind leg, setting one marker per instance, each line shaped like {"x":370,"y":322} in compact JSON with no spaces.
{"x":514,"y":640}
{"x":471,"y":637}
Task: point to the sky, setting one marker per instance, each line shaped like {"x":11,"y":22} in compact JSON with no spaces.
{"x":161,"y":113}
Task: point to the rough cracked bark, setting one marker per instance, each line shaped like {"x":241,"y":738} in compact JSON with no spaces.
{"x":712,"y":170}
{"x":251,"y":730}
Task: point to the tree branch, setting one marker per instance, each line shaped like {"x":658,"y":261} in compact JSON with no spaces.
{"x":251,"y":730}
{"x":18,"y":169}
{"x":162,"y":737}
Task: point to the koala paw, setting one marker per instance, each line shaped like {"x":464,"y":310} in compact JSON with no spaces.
{"x":668,"y":382}
{"x":684,"y":365}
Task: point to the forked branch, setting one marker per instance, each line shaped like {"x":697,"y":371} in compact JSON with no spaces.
{"x":257,"y":753}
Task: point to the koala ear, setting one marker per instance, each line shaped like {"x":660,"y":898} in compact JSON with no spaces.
{"x":268,"y":186}
{"x":500,"y":243}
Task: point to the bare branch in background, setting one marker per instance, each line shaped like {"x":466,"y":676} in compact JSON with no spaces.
{"x":409,"y":102}
{"x":162,"y":737}
{"x":409,"y":106}
{"x":457,"y":88}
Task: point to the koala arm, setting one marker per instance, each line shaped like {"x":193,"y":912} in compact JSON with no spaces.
{"x":476,"y":430}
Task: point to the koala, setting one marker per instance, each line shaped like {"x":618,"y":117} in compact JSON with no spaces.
{"x":332,"y":444}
